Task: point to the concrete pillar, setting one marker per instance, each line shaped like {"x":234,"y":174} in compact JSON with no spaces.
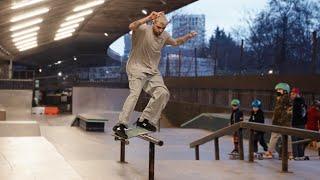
{"x":10,"y":69}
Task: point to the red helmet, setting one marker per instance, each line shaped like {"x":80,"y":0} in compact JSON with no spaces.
{"x":295,"y":90}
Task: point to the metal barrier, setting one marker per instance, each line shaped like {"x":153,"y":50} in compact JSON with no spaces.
{"x":284,"y":131}
{"x":152,"y":142}
{"x":16,"y":84}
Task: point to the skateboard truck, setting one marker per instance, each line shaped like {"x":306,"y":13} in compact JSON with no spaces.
{"x":118,"y":138}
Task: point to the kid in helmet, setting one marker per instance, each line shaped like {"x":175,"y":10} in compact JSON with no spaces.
{"x":256,"y":103}
{"x":257,"y":116}
{"x":236,"y":116}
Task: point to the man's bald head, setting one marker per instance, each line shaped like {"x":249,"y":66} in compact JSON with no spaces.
{"x":162,"y":19}
{"x":159,"y":24}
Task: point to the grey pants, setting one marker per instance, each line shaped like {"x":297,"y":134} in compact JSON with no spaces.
{"x":273,"y":141}
{"x":154,"y":86}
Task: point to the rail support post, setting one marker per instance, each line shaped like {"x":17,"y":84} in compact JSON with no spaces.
{"x":216,"y":148}
{"x":251,"y":145}
{"x":197,"y":152}
{"x":284,"y":154}
{"x":151,"y":160}
{"x":240,"y":132}
{"x":122,"y":151}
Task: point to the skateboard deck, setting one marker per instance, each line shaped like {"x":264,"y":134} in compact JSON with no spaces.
{"x":234,"y":156}
{"x":131,"y":132}
{"x":259,"y":155}
{"x":136,"y":131}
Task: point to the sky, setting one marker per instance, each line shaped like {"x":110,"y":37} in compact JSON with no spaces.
{"x":227,"y":14}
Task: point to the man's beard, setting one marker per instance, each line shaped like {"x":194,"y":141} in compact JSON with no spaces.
{"x":157,"y":33}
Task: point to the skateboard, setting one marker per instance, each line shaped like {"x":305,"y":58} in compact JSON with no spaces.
{"x":234,"y":156}
{"x":131,"y":132}
{"x":305,"y":158}
{"x":258,"y":155}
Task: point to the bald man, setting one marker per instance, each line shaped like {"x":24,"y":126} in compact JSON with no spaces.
{"x":143,"y":73}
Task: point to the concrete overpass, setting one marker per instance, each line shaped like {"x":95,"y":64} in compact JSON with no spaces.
{"x":99,"y":17}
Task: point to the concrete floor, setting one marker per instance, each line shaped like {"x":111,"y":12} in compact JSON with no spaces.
{"x":64,"y":152}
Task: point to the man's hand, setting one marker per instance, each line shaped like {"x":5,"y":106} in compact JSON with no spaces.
{"x":154,"y":15}
{"x":181,"y":40}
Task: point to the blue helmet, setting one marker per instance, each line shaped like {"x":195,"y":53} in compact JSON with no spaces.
{"x":256,"y":103}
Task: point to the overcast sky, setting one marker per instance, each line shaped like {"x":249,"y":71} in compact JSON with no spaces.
{"x":227,"y":14}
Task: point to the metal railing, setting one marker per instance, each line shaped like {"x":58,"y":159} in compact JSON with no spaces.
{"x":16,"y":84}
{"x":251,"y":127}
{"x":152,"y":142}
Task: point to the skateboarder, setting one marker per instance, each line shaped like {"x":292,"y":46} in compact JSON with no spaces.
{"x":236,"y":116}
{"x":257,"y":116}
{"x":143,"y":73}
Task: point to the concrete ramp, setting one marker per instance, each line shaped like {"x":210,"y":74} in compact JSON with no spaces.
{"x":17,"y":103}
{"x":19,"y":128}
{"x":31,"y":158}
{"x":97,"y":100}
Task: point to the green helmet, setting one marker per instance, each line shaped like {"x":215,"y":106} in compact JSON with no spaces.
{"x":283,"y":86}
{"x":235,"y":102}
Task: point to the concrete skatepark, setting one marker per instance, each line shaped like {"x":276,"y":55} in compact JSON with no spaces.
{"x":61,"y":93}
{"x":59,"y":151}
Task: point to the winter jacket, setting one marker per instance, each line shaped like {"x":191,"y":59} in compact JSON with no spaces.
{"x":282,"y":115}
{"x":236,"y":116}
{"x":313,"y":119}
{"x":257,"y":117}
{"x":299,"y":112}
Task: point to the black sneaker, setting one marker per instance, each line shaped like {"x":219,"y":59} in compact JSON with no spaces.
{"x":234,"y":151}
{"x":146,"y":125}
{"x":120,"y":130}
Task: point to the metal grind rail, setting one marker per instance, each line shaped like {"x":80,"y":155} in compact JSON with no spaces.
{"x":152,"y":142}
{"x":251,"y":127}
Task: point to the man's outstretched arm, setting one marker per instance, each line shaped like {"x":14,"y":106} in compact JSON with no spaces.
{"x":152,"y":16}
{"x":181,"y":40}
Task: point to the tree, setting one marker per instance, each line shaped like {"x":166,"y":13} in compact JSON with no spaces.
{"x":224,"y":51}
{"x":280,"y":35}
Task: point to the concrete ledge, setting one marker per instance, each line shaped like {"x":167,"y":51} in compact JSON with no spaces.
{"x":90,"y":122}
{"x":3,"y":116}
{"x":19,"y":128}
